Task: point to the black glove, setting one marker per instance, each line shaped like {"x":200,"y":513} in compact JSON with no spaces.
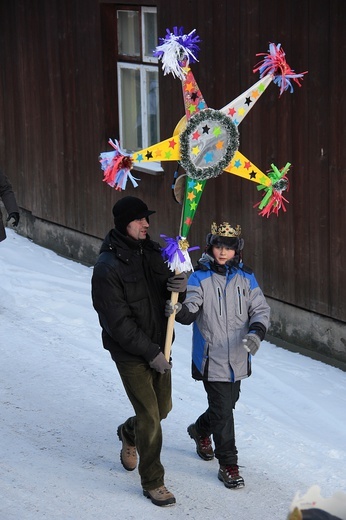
{"x":160,"y":363}
{"x":170,"y":308}
{"x":251,"y":343}
{"x":177,"y":283}
{"x":14,"y":218}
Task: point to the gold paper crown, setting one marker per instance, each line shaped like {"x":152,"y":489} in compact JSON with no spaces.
{"x":225,"y":230}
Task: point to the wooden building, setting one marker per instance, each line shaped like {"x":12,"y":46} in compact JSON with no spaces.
{"x":61,"y":65}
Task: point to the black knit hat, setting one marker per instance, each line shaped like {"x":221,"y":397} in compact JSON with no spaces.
{"x":128,"y":209}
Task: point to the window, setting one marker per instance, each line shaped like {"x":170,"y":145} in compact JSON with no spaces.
{"x":137,"y":70}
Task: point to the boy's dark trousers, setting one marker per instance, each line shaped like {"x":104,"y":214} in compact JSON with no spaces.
{"x":218,"y":420}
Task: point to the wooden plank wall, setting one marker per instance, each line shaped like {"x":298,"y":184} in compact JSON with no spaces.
{"x":58,"y":108}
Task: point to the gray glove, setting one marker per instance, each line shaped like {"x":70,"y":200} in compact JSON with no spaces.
{"x":170,"y":308}
{"x":177,"y":283}
{"x":251,"y":343}
{"x":160,"y":363}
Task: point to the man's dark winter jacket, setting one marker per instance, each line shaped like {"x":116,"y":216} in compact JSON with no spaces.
{"x":129,"y":294}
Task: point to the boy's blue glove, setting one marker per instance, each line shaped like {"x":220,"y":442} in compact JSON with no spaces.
{"x":251,"y":343}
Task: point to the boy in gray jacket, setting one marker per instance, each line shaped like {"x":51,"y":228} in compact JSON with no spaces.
{"x":230,"y":318}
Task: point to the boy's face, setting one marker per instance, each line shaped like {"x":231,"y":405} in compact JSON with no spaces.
{"x":222,"y":254}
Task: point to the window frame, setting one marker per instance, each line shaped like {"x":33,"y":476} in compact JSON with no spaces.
{"x":143,"y":63}
{"x":143,"y":69}
{"x":146,"y":58}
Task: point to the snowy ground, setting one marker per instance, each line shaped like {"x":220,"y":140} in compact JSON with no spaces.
{"x":61,"y":400}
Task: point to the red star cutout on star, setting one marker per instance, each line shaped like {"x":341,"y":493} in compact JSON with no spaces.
{"x":231,"y":112}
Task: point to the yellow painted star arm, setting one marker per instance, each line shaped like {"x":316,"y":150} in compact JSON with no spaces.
{"x":168,"y":150}
{"x":241,"y":166}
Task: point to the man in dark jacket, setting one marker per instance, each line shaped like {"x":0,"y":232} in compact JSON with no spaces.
{"x":8,"y":198}
{"x":130,"y":285}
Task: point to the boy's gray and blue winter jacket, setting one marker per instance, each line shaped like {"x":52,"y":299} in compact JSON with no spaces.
{"x":225,"y":303}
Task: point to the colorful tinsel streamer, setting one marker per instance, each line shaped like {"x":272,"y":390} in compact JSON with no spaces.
{"x":176,"y":254}
{"x":275,"y":63}
{"x":117,"y":165}
{"x":177,"y":50}
{"x":273,"y":200}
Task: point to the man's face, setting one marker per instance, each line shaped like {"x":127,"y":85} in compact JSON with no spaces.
{"x":137,"y":229}
{"x":223,"y":254}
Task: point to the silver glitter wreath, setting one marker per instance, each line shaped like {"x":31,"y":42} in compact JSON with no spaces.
{"x":229,"y":130}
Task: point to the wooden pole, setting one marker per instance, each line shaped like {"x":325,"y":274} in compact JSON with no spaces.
{"x":170,"y":327}
{"x":179,"y":189}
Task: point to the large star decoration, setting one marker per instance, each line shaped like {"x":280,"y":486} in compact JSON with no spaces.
{"x":205,"y":141}
{"x":208,"y":142}
{"x":199,"y":148}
